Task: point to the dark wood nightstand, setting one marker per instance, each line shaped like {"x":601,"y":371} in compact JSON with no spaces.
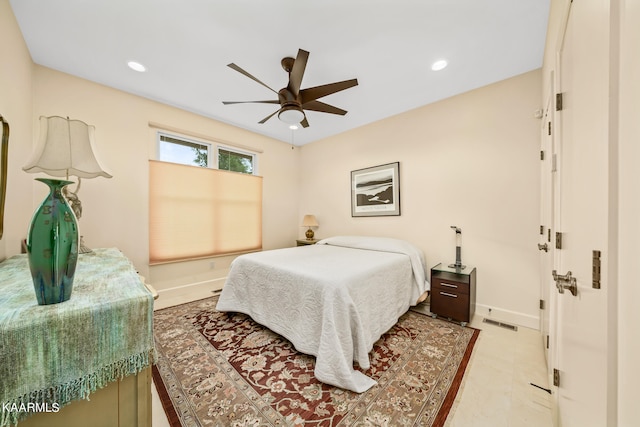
{"x":453,"y":293}
{"x":305,"y":242}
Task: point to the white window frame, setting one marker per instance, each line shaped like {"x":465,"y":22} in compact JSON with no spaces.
{"x":186,"y":140}
{"x":213,"y":150}
{"x":254,"y":156}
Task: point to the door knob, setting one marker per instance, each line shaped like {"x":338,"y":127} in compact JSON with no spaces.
{"x":566,"y":281}
{"x":544,"y":247}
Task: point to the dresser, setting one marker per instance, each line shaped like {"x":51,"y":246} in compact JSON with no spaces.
{"x":453,"y":293}
{"x":97,"y":345}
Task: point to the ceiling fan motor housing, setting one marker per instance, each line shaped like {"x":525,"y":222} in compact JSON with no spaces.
{"x":291,"y":111}
{"x":286,"y":97}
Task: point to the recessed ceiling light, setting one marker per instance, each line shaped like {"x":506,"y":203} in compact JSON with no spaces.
{"x":136,"y":66}
{"x":439,"y":65}
{"x":293,"y":127}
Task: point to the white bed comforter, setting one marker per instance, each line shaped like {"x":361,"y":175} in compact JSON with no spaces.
{"x":332,"y":300}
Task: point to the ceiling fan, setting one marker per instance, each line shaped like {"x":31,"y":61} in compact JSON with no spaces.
{"x":293,"y":100}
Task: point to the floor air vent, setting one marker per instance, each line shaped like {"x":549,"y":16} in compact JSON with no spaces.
{"x":501,"y":324}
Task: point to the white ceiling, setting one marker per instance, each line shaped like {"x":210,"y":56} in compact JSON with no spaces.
{"x":388,"y":45}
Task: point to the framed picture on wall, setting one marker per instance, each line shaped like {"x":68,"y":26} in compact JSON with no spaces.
{"x":375,"y":191}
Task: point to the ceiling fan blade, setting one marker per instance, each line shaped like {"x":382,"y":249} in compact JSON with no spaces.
{"x":241,"y":71}
{"x":250,"y":102}
{"x":304,"y":123}
{"x":323,"y":108}
{"x":295,"y":77}
{"x":313,"y":93}
{"x":268,"y":117}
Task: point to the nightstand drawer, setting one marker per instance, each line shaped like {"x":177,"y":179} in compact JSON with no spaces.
{"x":450,"y":286}
{"x":450,"y":305}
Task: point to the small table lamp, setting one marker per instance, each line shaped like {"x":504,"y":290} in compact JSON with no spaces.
{"x":458,"y":264}
{"x":309,"y":221}
{"x":66,"y":147}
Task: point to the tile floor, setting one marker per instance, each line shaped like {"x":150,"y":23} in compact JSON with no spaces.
{"x":497,"y":388}
{"x":496,"y":391}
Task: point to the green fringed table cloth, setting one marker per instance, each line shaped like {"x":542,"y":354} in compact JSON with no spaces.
{"x":51,"y":355}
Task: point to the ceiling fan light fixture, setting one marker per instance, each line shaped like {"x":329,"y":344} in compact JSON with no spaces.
{"x":291,"y":115}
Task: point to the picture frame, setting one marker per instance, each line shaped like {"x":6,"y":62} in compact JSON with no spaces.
{"x":375,"y":191}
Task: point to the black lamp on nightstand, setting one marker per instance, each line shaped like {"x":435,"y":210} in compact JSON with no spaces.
{"x":458,"y":263}
{"x":309,"y":221}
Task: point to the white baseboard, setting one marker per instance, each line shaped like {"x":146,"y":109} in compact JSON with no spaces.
{"x":507,"y":316}
{"x":189,"y":292}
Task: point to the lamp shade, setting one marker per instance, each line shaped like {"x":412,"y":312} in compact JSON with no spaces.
{"x":309,"y":221}
{"x":66,"y":147}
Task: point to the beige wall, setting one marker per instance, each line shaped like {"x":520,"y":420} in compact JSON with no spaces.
{"x":15,"y":107}
{"x":115,"y":210}
{"x":471,"y":161}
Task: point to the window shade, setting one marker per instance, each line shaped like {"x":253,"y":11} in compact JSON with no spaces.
{"x":198,"y":212}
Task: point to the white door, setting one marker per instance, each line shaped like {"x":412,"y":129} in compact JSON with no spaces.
{"x":581,"y":214}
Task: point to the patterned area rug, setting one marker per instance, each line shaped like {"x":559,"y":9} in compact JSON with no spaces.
{"x":220,"y":369}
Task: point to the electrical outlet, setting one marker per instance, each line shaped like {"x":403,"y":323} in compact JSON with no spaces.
{"x":212,"y":265}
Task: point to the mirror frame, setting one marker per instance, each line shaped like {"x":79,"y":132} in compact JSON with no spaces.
{"x":4,"y":154}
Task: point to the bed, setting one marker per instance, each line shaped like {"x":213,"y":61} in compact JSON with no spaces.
{"x":332,"y":300}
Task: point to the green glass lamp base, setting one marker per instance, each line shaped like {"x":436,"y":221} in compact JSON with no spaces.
{"x":52,"y":246}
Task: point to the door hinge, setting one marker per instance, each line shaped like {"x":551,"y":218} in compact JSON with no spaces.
{"x":558,"y":240}
{"x":549,"y":235}
{"x":549,"y":129}
{"x":558,"y":101}
{"x":547,"y":341}
{"x":556,"y":377}
{"x":596,"y":270}
{"x":542,"y":230}
{"x":541,"y":304}
{"x":541,"y":154}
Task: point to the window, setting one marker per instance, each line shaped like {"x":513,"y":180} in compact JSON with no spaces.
{"x":183,"y":151}
{"x":197,"y":210}
{"x":236,"y":161}
{"x":178,"y":149}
